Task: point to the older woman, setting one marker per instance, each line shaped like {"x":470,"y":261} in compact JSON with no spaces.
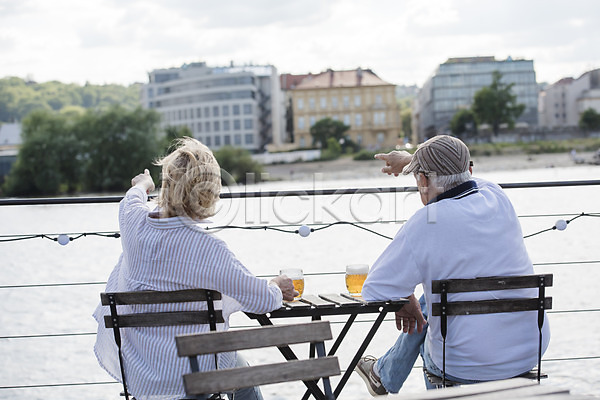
{"x":165,"y":249}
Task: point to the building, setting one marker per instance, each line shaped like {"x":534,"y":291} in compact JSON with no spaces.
{"x":562,"y":103}
{"x":454,"y":84}
{"x":235,"y":105}
{"x":358,"y":98}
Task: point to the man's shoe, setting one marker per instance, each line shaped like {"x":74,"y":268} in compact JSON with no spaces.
{"x":365,"y":370}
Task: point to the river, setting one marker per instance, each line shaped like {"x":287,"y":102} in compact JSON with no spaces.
{"x":67,"y":309}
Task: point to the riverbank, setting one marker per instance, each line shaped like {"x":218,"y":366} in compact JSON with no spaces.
{"x":347,"y":168}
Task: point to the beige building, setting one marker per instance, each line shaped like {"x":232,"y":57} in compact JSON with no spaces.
{"x":561,"y":104}
{"x":358,"y":98}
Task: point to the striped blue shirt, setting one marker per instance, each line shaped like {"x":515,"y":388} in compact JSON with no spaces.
{"x":172,"y":254}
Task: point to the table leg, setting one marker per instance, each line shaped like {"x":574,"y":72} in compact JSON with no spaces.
{"x":360,"y":352}
{"x":311,"y":351}
{"x":287,"y":352}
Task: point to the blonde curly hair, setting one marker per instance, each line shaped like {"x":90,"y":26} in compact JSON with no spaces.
{"x":191,"y":181}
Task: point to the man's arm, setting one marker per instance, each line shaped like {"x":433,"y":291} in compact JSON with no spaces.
{"x":395,"y":161}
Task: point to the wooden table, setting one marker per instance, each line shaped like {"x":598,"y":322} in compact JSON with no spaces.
{"x":317,"y":306}
{"x":516,"y":388}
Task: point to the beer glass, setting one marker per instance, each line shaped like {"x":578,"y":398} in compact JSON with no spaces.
{"x":355,"y":277}
{"x":297,"y":277}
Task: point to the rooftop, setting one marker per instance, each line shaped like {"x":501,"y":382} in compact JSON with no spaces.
{"x":339,"y":79}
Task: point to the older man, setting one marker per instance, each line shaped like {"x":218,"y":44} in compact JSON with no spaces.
{"x":468,"y":228}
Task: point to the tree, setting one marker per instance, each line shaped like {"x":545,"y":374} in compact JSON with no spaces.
{"x":589,"y":120}
{"x":327,"y":128}
{"x":118,"y":144}
{"x":171,"y":134}
{"x":237,"y":162}
{"x":406,"y":121}
{"x":463,"y":122}
{"x":495,"y":104}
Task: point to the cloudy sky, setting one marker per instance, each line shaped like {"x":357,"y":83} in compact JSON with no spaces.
{"x":403,"y":41}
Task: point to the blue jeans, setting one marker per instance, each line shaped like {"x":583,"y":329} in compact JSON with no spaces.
{"x":251,"y":393}
{"x":395,"y":365}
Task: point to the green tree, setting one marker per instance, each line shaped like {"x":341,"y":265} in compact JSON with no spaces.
{"x":589,"y":120}
{"x":118,"y":144}
{"x":495,"y":104}
{"x":326,"y":129}
{"x":238,"y":163}
{"x":171,"y":134}
{"x":332,"y":151}
{"x":406,"y":121}
{"x":47,"y":160}
{"x":463,"y":123}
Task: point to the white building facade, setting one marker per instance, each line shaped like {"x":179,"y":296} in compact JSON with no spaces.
{"x":562,"y":103}
{"x":222,"y":106}
{"x":455,"y":82}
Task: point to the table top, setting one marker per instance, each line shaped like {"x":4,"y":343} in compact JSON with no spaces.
{"x":516,"y":388}
{"x":333,"y":304}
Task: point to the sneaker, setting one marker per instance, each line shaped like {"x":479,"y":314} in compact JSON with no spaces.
{"x":365,"y":370}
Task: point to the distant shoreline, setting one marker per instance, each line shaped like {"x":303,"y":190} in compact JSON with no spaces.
{"x":347,"y":168}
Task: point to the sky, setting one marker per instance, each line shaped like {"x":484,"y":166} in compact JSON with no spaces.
{"x":402,"y":41}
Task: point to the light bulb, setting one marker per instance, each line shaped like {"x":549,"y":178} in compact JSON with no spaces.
{"x":63,"y":240}
{"x":561,"y":225}
{"x":304,"y":231}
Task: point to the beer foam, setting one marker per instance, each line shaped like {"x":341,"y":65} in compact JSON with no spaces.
{"x":357,"y":269}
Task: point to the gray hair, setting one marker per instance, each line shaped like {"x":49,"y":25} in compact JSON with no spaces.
{"x":447,"y":182}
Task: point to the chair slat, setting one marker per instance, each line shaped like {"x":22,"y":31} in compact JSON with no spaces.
{"x":279,"y":335}
{"x":490,"y":306}
{"x":163,"y":319}
{"x":159,"y":297}
{"x":230,"y":379}
{"x":491,"y":283}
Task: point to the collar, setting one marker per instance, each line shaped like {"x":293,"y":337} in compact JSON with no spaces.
{"x":457,"y":192}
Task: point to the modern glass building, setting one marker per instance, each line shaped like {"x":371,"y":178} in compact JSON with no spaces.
{"x":234,"y":105}
{"x":455,"y":82}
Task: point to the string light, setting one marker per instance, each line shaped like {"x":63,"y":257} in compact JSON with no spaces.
{"x":304,"y":230}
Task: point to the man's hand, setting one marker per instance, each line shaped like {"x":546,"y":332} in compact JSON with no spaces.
{"x":395,"y":161}
{"x":409,"y":316}
{"x":143,"y":181}
{"x":287,"y":287}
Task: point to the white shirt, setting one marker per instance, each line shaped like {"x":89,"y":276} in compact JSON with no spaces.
{"x":473,"y":233}
{"x":172,"y":254}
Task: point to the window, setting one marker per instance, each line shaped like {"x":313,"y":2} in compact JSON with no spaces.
{"x":358,"y":119}
{"x":334,"y":102}
{"x":226,"y":125}
{"x":236,"y":109}
{"x":184,"y":114}
{"x":380,"y":137}
{"x":323,"y":102}
{"x":199,"y":127}
{"x":208,"y":141}
{"x":379,"y":118}
{"x":206,"y":112}
{"x":312,"y":121}
{"x":346,"y":101}
{"x":248,"y":124}
{"x":217,"y":140}
{"x":302,"y":142}
{"x":346,"y":119}
{"x":357,"y":100}
{"x":237,"y":125}
{"x":249,"y":138}
{"x":237,"y":139}
{"x":225,"y":111}
{"x":247,"y":109}
{"x":227,"y":140}
{"x":378,"y":99}
{"x":178,"y":114}
{"x":335,"y":117}
{"x":359,"y":139}
{"x":216,"y":126}
{"x":215,"y":111}
{"x":207,"y":126}
{"x":311,"y":103}
{"x":300,"y":104}
{"x":300,"y":122}
{"x":198,"y":112}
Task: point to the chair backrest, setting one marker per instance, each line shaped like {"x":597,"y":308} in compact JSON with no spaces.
{"x":444,"y":308}
{"x":116,"y":321}
{"x":208,"y":382}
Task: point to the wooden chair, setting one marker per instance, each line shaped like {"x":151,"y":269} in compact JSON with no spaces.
{"x":117,"y":321}
{"x":201,"y":384}
{"x":446,"y":308}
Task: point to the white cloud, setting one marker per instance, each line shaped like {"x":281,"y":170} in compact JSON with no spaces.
{"x":403,"y":41}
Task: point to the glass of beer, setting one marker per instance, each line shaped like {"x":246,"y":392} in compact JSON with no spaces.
{"x":297,"y":277}
{"x":355,"y":277}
